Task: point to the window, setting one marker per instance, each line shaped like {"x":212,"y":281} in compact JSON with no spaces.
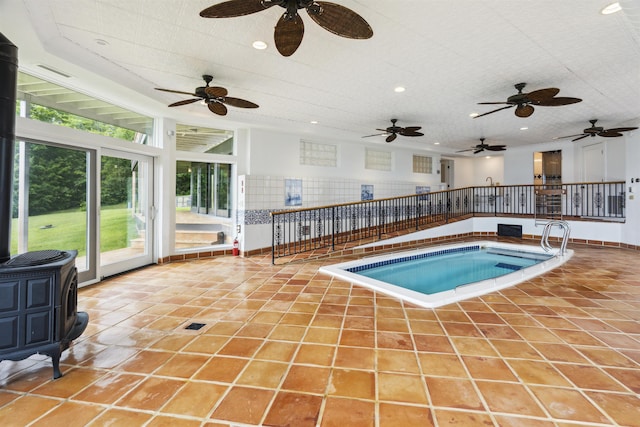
{"x":422,"y":164}
{"x":378,"y":160}
{"x":51,"y":103}
{"x":203,"y":140}
{"x":315,"y":154}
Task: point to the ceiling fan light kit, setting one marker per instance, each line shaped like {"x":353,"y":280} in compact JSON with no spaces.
{"x":289,"y":29}
{"x":393,"y":131}
{"x":482,"y":146}
{"x":524,"y":102}
{"x":214,"y":97}
{"x":599,"y":131}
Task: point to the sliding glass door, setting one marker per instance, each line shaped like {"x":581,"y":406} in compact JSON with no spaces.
{"x":126,"y":195}
{"x":55,"y":206}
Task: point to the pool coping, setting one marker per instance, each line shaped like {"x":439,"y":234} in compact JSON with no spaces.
{"x":461,"y":292}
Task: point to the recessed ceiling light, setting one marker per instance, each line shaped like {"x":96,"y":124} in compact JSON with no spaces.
{"x":524,"y":128}
{"x":436,"y":143}
{"x":474,"y":114}
{"x":314,"y":122}
{"x":399,"y":89}
{"x":259,"y":44}
{"x":487,"y":157}
{"x":612,"y":8}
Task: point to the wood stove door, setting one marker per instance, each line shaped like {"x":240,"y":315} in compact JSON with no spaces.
{"x":126,"y":200}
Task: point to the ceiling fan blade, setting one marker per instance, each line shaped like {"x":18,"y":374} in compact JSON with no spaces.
{"x":217,"y":108}
{"x":376,"y":134}
{"x":524,"y":110}
{"x":185,"y":102}
{"x":288,"y":34}
{"x":571,"y":136}
{"x":215,"y":91}
{"x":496,"y":147}
{"x":609,"y":134}
{"x":412,"y":128}
{"x":480,"y":150}
{"x":542,"y":94}
{"x":559,"y":101}
{"x":232,"y":8}
{"x":579,"y":138}
{"x":468,"y":149}
{"x":176,"y":91}
{"x":340,"y":20}
{"x":240,"y":103}
{"x":391,"y":137}
{"x":493,"y":111}
{"x":620,"y":129}
{"x":410,"y":133}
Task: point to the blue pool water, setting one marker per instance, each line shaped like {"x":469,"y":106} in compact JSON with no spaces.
{"x":448,"y":269}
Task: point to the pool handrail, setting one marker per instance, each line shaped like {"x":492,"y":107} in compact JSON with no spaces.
{"x":544,"y":240}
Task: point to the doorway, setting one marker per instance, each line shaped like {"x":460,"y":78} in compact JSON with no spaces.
{"x":446,"y":174}
{"x":547,"y":168}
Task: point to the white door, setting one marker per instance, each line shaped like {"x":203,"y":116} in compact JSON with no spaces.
{"x":594,"y":164}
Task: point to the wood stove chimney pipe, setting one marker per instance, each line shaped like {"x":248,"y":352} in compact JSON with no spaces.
{"x":8,"y":87}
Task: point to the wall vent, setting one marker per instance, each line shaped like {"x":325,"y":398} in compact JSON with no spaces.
{"x":53,"y":70}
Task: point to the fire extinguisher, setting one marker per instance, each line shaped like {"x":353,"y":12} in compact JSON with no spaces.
{"x":236,"y":247}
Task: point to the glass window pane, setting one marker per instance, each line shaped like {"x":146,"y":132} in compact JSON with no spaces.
{"x":58,"y":105}
{"x":203,"y":140}
{"x":203,"y":204}
{"x":52,"y":213}
{"x":123,"y":201}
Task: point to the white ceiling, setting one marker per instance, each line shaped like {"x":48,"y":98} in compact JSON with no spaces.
{"x":449,"y":55}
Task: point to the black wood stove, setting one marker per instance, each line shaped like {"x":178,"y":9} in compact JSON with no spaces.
{"x":38,"y":290}
{"x":38,"y":305}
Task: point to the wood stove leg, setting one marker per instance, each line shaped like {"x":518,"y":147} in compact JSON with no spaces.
{"x":55,"y":358}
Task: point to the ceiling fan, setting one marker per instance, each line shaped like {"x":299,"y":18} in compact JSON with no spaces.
{"x":214,"y":96}
{"x":524,"y":102}
{"x":393,"y":131}
{"x":598,"y":131}
{"x":290,"y":29}
{"x":482,"y":146}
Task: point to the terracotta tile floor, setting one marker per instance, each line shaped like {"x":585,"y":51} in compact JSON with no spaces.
{"x":286,"y":346}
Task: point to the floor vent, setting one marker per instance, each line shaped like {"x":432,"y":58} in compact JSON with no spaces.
{"x":195,"y":326}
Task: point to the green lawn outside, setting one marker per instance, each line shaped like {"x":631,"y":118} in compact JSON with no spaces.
{"x":67,"y":230}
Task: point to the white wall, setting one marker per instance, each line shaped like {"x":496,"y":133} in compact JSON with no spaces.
{"x":488,"y":167}
{"x":579,"y":230}
{"x":266,"y":159}
{"x":631,"y":228}
{"x":463,"y":170}
{"x":474,"y":171}
{"x":615,"y":149}
{"x":278,"y":153}
{"x":273,"y":156}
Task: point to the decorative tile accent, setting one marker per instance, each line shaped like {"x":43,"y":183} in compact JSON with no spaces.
{"x":473,"y":248}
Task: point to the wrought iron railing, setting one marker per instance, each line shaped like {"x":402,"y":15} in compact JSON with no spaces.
{"x":325,"y":227}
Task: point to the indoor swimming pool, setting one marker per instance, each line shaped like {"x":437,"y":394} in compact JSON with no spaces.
{"x":441,"y":275}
